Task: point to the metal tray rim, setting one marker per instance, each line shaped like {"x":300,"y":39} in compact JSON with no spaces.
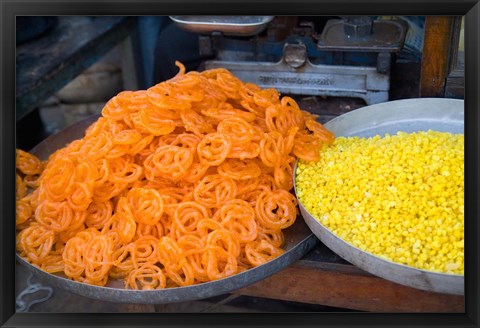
{"x":418,"y":278}
{"x":299,"y":240}
{"x":451,"y":283}
{"x":177,"y":294}
{"x":179,"y":20}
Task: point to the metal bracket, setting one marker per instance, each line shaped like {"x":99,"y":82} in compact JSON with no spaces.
{"x":24,"y":306}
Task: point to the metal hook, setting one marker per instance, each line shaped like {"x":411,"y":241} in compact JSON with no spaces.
{"x":32,"y":288}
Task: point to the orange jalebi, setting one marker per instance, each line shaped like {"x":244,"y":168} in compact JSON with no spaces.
{"x":238,"y":169}
{"x":214,"y":148}
{"x":187,"y":182}
{"x":27,"y":163}
{"x":23,"y":211}
{"x":146,"y":277}
{"x":214,"y":190}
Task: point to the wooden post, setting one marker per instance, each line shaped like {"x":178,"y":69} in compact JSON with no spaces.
{"x":435,"y":55}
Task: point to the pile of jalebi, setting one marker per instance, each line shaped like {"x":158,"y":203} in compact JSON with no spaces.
{"x":183,"y":183}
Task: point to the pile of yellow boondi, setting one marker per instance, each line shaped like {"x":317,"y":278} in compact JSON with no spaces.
{"x":400,"y":197}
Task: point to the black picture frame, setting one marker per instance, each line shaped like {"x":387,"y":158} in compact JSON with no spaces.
{"x":9,"y":9}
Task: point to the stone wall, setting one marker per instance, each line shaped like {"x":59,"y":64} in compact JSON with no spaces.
{"x":86,"y":94}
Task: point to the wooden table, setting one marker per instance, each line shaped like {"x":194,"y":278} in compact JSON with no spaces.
{"x":321,"y":277}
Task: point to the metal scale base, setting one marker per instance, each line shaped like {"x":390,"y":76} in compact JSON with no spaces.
{"x":295,"y":74}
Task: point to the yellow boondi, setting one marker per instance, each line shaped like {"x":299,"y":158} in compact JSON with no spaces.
{"x":400,"y":197}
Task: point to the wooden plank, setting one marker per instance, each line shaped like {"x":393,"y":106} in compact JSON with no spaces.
{"x":435,"y":55}
{"x":455,"y":81}
{"x":455,"y":87}
{"x":45,"y":65}
{"x":346,"y":286}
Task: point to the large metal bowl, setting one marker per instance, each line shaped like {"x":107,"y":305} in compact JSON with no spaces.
{"x":298,"y":241}
{"x":446,"y":115}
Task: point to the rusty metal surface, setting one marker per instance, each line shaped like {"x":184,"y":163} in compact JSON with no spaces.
{"x":299,"y":240}
{"x":408,"y":115}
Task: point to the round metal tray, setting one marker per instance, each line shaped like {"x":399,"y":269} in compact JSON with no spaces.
{"x":445,"y":115}
{"x":228,"y":25}
{"x":299,"y":240}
